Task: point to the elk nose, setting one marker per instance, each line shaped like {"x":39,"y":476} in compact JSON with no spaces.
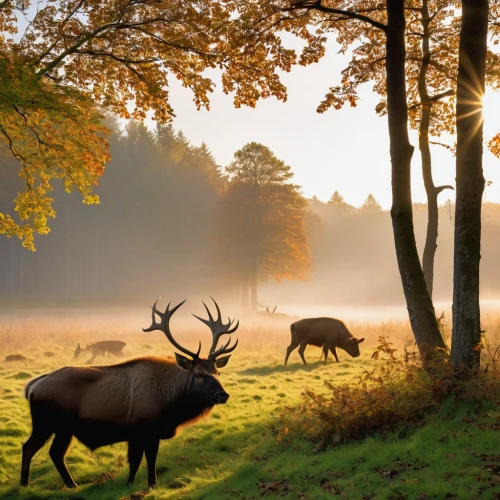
{"x":221,"y":397}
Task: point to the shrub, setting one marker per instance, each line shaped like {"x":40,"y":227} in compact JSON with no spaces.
{"x":394,"y":393}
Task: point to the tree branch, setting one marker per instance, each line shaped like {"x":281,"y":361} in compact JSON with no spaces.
{"x":442,"y":188}
{"x":116,"y":58}
{"x":440,"y":96}
{"x":316,"y":5}
{"x":63,"y":23}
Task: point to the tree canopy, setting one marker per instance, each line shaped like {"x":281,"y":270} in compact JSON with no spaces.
{"x":68,"y":60}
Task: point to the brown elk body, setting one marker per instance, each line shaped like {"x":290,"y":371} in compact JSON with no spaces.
{"x":102,"y":347}
{"x":328,"y":333}
{"x":140,"y":401}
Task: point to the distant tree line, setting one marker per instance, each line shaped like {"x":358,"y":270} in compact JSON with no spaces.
{"x":353,"y":255}
{"x":172,"y":221}
{"x":151,"y":229}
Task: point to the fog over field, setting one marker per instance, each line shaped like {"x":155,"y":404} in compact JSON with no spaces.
{"x":163,"y":228}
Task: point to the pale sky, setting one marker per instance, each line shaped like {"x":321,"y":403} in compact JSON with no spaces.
{"x":346,"y":150}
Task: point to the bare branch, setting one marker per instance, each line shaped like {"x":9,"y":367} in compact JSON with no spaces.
{"x":440,"y":96}
{"x":316,"y":5}
{"x":442,"y":188}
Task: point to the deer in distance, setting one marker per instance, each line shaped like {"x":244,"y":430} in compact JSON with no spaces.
{"x":276,"y":315}
{"x":140,"y":401}
{"x":113,"y":347}
{"x":328,"y":333}
{"x":16,"y":357}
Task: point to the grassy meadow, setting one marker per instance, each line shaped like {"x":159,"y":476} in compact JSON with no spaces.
{"x":235,"y":453}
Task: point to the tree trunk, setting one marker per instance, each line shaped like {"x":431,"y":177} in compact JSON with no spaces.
{"x":420,"y":308}
{"x":425,"y":153}
{"x":470,"y":184}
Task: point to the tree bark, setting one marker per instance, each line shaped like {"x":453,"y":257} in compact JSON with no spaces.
{"x":425,"y":154}
{"x":470,"y":184}
{"x":420,"y":308}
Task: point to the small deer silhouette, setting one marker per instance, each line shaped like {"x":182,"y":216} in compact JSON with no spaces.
{"x":15,"y":357}
{"x":113,"y":347}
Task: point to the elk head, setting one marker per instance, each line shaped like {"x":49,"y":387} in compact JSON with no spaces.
{"x":351,"y":346}
{"x":204,"y":374}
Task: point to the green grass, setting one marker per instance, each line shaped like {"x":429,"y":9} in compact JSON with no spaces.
{"x":234,"y":453}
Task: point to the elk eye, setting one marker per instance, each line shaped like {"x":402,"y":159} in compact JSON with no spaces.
{"x":198,"y":375}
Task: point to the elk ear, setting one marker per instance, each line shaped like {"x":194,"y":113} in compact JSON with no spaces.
{"x":360,"y":340}
{"x":183,"y":362}
{"x":222,"y":362}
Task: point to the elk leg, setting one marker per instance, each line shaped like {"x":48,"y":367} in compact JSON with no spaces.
{"x":289,"y":350}
{"x":302,"y":348}
{"x":91,"y":360}
{"x":38,"y":438}
{"x":325,"y":353}
{"x":57,"y":452}
{"x":151,"y":454}
{"x":135,"y":452}
{"x":95,"y":353}
{"x":334,"y":352}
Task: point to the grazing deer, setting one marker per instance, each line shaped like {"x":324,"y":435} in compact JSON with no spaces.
{"x":15,"y":357}
{"x":139,"y":401}
{"x":113,"y":347}
{"x":327,"y":333}
{"x":276,"y":315}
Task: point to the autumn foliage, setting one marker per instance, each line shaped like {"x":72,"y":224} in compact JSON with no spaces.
{"x":381,"y":399}
{"x":69,"y":60}
{"x":394,"y":394}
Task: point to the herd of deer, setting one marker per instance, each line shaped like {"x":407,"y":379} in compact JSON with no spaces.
{"x":144,"y":400}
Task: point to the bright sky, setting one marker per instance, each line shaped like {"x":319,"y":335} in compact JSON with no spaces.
{"x":346,"y":150}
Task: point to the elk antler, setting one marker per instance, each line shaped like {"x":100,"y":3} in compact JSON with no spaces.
{"x":218,"y":329}
{"x":164,"y":327}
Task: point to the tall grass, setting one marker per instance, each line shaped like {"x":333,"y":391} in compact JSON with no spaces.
{"x":240,"y":451}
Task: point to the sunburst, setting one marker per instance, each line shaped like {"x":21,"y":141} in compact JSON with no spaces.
{"x":475,"y":103}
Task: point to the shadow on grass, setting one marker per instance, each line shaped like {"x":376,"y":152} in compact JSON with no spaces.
{"x":291,"y":368}
{"x":177,"y":466}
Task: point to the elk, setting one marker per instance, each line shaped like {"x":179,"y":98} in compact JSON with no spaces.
{"x":276,"y":315}
{"x":328,"y":333}
{"x":113,"y":347}
{"x":140,"y":401}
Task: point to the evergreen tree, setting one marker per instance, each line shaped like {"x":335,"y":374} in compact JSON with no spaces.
{"x":266,"y":214}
